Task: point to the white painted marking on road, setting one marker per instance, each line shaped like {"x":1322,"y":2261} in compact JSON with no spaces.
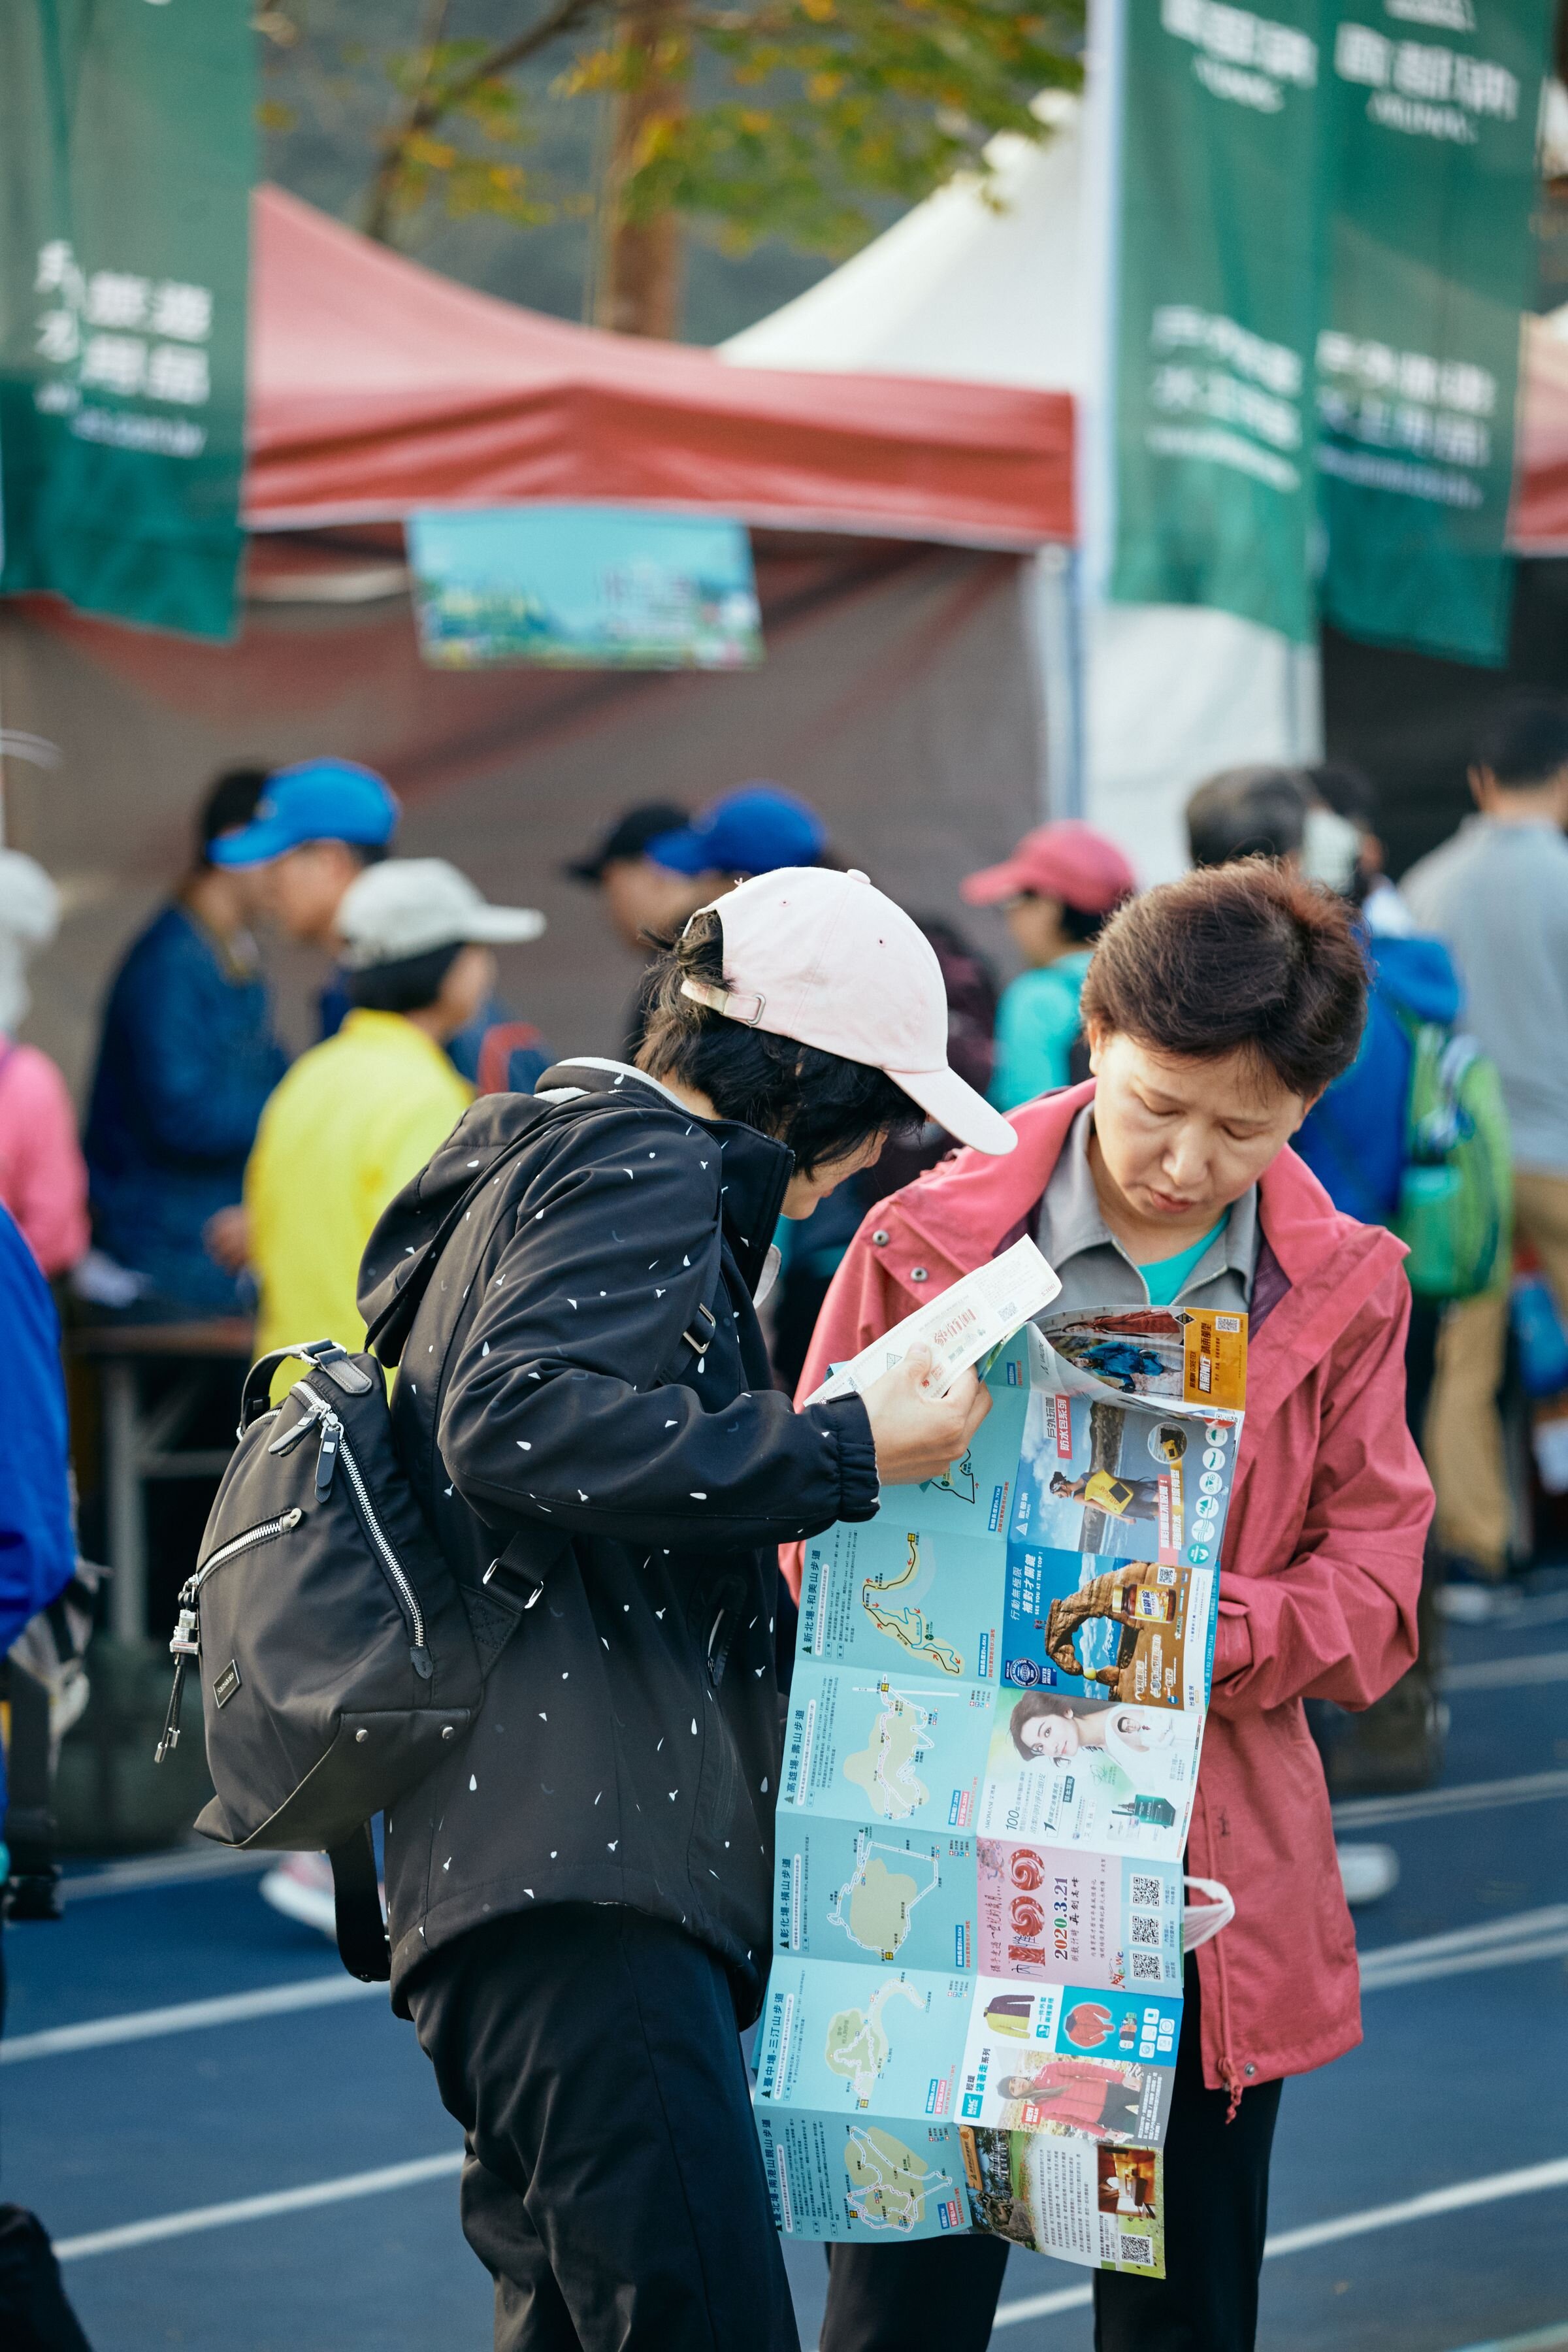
{"x":1539,"y":2339}
{"x":186,"y":2016}
{"x":1528,"y":2180}
{"x":1469,"y":1797}
{"x":1495,"y":1944}
{"x":258,"y":2209}
{"x":161,"y":1870}
{"x":1507,"y":1673}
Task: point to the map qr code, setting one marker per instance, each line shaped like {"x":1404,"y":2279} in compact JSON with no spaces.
{"x":1145,"y":1930}
{"x":1136,"y":2250}
{"x":1147,"y":1965}
{"x":1148,"y":1891}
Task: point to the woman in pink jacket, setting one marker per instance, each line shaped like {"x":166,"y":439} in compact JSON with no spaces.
{"x":43,"y":1177}
{"x":1217,"y":1009}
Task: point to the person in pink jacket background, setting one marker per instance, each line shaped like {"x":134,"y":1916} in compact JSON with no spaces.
{"x":43,"y":1178}
{"x":1217,"y":1009}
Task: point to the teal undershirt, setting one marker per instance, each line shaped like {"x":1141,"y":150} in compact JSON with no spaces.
{"x":1163,"y":1279}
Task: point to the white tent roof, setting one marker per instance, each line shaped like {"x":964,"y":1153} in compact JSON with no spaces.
{"x":939,"y":293}
{"x":995,"y":285}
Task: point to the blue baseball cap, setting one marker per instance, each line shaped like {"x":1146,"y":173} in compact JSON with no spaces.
{"x":315,"y":800}
{"x":755,"y":829}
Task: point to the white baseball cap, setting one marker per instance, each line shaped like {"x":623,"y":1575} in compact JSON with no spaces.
{"x":409,"y":905}
{"x":826,"y":959}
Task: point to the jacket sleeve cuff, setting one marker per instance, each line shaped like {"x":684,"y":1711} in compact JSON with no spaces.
{"x":1231,"y":1642}
{"x":860,"y":1488}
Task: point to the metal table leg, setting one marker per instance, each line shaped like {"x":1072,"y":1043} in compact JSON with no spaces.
{"x":127,"y":1521}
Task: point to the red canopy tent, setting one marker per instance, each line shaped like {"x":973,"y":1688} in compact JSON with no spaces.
{"x":377,"y":388}
{"x":897,"y":670}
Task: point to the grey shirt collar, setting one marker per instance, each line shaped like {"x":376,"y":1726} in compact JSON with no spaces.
{"x":1077,"y":1240}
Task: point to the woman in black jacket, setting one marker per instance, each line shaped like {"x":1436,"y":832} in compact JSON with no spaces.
{"x":580,"y":1895}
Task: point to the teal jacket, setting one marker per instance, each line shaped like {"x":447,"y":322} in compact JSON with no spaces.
{"x":1036,"y":1025}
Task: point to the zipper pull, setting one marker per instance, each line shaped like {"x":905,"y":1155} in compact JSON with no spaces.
{"x":327,"y":1459}
{"x":421,"y":1658}
{"x":185,"y":1643}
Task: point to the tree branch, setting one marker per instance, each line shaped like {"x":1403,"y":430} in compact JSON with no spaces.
{"x":429,"y":106}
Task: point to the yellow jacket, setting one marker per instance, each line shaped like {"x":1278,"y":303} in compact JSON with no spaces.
{"x":355,"y":1119}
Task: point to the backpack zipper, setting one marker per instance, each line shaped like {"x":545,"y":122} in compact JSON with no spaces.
{"x":262,"y":1533}
{"x":335,"y":1445}
{"x":186,"y":1640}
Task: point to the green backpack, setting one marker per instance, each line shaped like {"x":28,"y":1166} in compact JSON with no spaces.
{"x":1456,"y":1195}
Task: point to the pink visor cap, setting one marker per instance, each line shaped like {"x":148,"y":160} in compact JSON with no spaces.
{"x":826,"y":959}
{"x":1068,"y":860}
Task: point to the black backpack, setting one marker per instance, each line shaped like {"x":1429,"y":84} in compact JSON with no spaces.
{"x":337,"y":1650}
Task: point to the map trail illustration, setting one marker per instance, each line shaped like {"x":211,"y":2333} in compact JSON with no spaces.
{"x":888,"y":2183}
{"x":885,"y":1769}
{"x":908,"y":1622}
{"x":875,"y":1907}
{"x":858,"y":2046}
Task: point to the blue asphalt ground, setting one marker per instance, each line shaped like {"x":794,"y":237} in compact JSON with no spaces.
{"x":1462,"y":2078}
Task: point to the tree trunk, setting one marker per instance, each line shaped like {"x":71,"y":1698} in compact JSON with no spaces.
{"x":639,"y":286}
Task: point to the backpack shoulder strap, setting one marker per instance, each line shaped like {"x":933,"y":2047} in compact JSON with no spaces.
{"x":385,"y":1336}
{"x":363,"y":1945}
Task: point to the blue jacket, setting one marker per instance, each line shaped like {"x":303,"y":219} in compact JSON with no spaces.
{"x":186,"y":1061}
{"x":1353,"y":1140}
{"x":37,"y":1547}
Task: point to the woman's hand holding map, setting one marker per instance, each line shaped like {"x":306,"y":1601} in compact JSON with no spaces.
{"x":917,"y":1433}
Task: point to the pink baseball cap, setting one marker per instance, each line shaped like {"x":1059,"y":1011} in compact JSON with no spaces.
{"x":1067,"y":860}
{"x":826,"y":959}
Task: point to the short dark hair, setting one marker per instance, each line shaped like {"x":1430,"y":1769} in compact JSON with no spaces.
{"x":411,"y":984}
{"x":1246,"y":812}
{"x":1524,"y":740}
{"x":822,"y":1106}
{"x":230,"y":803}
{"x":1348,"y":790}
{"x":1245,"y":958}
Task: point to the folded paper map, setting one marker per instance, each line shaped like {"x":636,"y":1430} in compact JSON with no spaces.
{"x":968,"y":1322}
{"x":989,"y":1768}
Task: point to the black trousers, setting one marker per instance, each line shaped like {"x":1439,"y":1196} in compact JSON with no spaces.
{"x":943,"y":2292}
{"x":614,"y":2184}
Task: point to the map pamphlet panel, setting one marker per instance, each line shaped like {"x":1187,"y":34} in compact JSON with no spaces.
{"x":1058,"y":2193}
{"x":851,"y":2179}
{"x":965,"y":1323}
{"x":990,"y":1760}
{"x":1046,"y":1913}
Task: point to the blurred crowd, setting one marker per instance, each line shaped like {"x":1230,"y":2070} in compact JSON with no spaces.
{"x":215,"y":1179}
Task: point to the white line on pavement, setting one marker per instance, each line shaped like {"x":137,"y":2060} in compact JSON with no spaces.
{"x":1460,"y":2194}
{"x":1493,"y":1944}
{"x":1538,"y":2339}
{"x":1513,"y":1612}
{"x":144,"y":2024}
{"x":1507,"y":1673}
{"x":258,"y":2209}
{"x":161,"y":1870}
{"x":1469,"y":1797}
{"x":1456,"y":2197}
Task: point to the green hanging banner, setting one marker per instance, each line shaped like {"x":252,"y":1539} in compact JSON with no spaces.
{"x":1218,"y":310}
{"x":1431,"y":110}
{"x":126,"y":152}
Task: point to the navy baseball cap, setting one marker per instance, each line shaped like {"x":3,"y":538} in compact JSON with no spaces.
{"x":628,"y":837}
{"x":315,"y":800}
{"x":755,"y":829}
